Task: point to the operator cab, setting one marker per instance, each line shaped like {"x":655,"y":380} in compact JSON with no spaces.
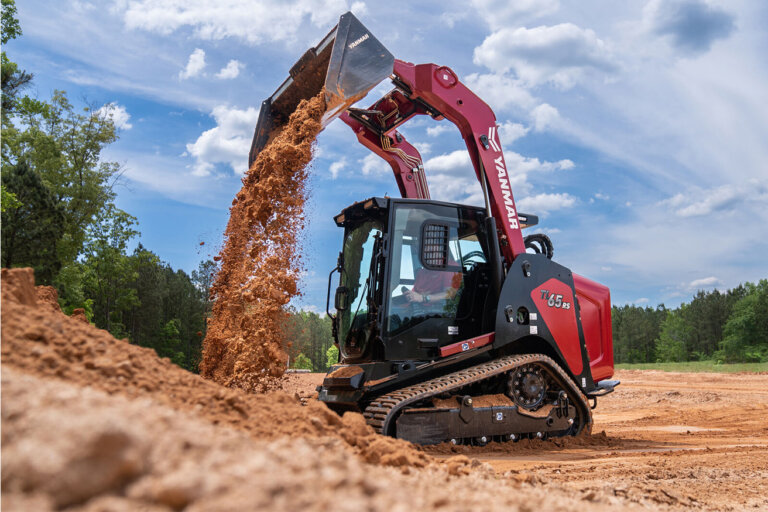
{"x":414,"y":277}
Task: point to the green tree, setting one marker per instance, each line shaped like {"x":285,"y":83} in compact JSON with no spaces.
{"x":203,"y":279}
{"x":13,"y":79}
{"x":32,"y":230}
{"x":10,"y":25}
{"x":171,"y":344}
{"x":13,"y":82}
{"x":332,"y":356}
{"x":301,"y":362}
{"x":9,"y":199}
{"x":746,"y":331}
{"x":184,"y":301}
{"x":108,"y":273}
{"x":706,"y":314}
{"x":635,"y":330}
{"x":146,"y":320}
{"x":675,"y":337}
{"x":64,"y":147}
{"x":309,"y":334}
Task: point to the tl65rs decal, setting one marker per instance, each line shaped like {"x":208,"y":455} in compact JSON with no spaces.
{"x":554,"y":300}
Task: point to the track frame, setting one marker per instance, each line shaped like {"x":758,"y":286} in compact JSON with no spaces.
{"x":383,"y":411}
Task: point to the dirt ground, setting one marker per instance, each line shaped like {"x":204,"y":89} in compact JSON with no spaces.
{"x":687,"y":441}
{"x":93,"y":423}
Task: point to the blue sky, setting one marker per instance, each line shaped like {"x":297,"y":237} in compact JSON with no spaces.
{"x":637,"y":130}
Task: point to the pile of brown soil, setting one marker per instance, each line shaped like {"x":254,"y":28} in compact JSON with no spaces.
{"x":66,"y":447}
{"x":260,"y":261}
{"x":91,"y":423}
{"x":48,"y":297}
{"x":40,"y":340}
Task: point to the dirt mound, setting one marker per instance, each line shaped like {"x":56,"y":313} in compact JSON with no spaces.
{"x":260,"y":261}
{"x":79,"y":315}
{"x":40,"y":341}
{"x":74,"y":448}
{"x":47,"y":296}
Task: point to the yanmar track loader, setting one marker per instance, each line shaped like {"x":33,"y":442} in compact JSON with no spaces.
{"x":451,"y":325}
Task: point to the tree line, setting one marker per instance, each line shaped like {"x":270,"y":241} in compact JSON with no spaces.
{"x":310,"y":341}
{"x":59,"y":217}
{"x":729,"y":327}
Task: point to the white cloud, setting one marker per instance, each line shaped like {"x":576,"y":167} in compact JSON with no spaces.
{"x":464,"y":190}
{"x":359,"y":9}
{"x":697,"y":202}
{"x":500,"y":91}
{"x":544,"y":116}
{"x":642,"y":300}
{"x":647,"y":250}
{"x":509,"y":132}
{"x":449,"y":19}
{"x":167,"y":177}
{"x":195,"y":65}
{"x":228,"y":142}
{"x":120,"y":117}
{"x":456,"y":162}
{"x":252,"y":22}
{"x":439,"y":129}
{"x":503,"y":13}
{"x":691,"y":26}
{"x":519,"y":164}
{"x":424,"y":148}
{"x":558,"y":54}
{"x":542,"y":204}
{"x":374,"y":165}
{"x":231,"y":70}
{"x":705,"y":282}
{"x":452,"y":177}
{"x":337,"y":167}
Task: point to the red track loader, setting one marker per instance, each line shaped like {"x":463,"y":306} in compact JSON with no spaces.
{"x":451,"y":325}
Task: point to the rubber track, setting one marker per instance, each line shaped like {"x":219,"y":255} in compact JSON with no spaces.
{"x":380,"y":413}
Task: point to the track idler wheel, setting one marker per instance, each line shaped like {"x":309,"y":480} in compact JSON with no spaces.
{"x":528,"y":386}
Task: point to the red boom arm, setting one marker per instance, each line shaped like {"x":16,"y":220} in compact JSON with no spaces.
{"x":428,"y":89}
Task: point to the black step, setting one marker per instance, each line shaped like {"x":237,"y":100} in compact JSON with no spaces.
{"x":603,"y":388}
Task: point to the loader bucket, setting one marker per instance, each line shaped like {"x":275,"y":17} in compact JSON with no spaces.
{"x":348,"y":62}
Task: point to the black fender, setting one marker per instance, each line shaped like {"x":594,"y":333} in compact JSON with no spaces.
{"x":538,"y":305}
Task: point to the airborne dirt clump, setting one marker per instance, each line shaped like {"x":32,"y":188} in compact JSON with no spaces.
{"x":260,"y":261}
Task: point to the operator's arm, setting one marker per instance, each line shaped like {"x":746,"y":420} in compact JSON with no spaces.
{"x":444,"y":284}
{"x":433,"y":297}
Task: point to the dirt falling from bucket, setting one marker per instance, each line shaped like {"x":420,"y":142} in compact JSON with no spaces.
{"x":261,"y":261}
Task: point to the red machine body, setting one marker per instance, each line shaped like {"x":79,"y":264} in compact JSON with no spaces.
{"x":429,"y":89}
{"x":518,"y":327}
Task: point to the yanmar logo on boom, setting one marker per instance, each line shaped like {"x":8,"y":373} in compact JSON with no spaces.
{"x":504,"y":183}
